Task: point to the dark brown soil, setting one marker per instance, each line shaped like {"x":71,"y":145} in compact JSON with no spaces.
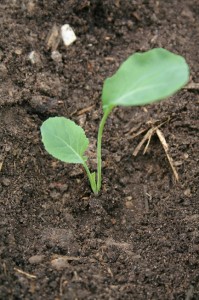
{"x":139,"y":239}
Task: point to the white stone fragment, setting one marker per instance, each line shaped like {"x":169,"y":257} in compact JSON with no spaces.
{"x":34,"y":57}
{"x":68,"y":35}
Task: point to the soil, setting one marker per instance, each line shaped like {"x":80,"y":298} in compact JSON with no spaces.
{"x":139,"y":238}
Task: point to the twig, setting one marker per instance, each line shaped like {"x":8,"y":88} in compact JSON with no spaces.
{"x":26,"y":274}
{"x":1,"y":165}
{"x":192,"y":86}
{"x":63,"y":283}
{"x":85,"y":110}
{"x":82,"y":111}
{"x":131,"y":137}
{"x":145,"y":138}
{"x":166,"y":149}
{"x":65,"y":257}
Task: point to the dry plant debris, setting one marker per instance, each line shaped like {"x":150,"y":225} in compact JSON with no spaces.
{"x":147,"y":138}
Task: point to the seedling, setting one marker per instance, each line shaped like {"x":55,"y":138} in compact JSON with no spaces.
{"x":142,"y":79}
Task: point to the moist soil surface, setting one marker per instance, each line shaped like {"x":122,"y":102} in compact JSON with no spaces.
{"x":139,"y":238}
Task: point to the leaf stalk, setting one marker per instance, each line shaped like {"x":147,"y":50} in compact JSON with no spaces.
{"x":99,"y":147}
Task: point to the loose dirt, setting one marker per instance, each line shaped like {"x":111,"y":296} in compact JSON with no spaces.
{"x":139,"y":238}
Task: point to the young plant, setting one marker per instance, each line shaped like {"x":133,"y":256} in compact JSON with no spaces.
{"x":142,"y":79}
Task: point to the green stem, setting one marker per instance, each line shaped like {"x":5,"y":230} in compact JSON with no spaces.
{"x":91,"y":177}
{"x":99,"y":147}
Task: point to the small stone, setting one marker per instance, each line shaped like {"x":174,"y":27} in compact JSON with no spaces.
{"x":178,"y":163}
{"x":77,"y":170}
{"x":186,"y":155}
{"x":68,"y":35}
{"x":187,"y":13}
{"x":187,"y":192}
{"x":1,"y":54}
{"x":63,"y":187}
{"x":59,"y":263}
{"x":5,"y":182}
{"x":55,"y":195}
{"x":87,"y":88}
{"x":117,"y":158}
{"x":124,"y":180}
{"x":3,"y":71}
{"x":82,"y":120}
{"x":36,"y":259}
{"x":34,"y":58}
{"x":7,"y":148}
{"x":130,"y":24}
{"x":31,"y":7}
{"x":18,"y":51}
{"x":129,"y":205}
{"x":154,"y":18}
{"x":113,"y":221}
{"x":56,"y":56}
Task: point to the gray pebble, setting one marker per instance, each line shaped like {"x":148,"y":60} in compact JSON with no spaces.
{"x":36,"y":259}
{"x":5,"y":182}
{"x":3,"y":71}
{"x":59,"y":263}
{"x":55,"y":195}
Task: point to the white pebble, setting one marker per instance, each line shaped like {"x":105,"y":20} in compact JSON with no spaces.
{"x":34,"y":57}
{"x":68,"y":35}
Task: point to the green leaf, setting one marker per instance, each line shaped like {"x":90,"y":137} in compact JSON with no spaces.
{"x":145,"y":78}
{"x":64,"y":140}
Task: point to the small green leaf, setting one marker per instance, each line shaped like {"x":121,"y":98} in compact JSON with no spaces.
{"x":64,"y":140}
{"x":145,"y":78}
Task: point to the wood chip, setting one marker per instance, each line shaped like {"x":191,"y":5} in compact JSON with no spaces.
{"x":53,"y":38}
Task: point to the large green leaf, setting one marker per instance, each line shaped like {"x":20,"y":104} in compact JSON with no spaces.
{"x":64,"y":140}
{"x":145,"y":78}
